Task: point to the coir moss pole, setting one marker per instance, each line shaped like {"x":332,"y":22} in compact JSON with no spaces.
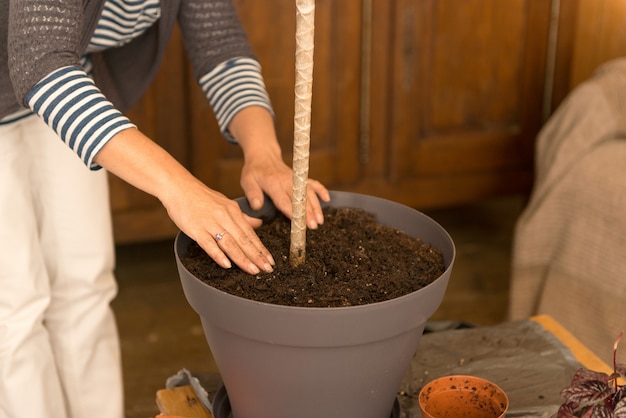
{"x":305,"y":13}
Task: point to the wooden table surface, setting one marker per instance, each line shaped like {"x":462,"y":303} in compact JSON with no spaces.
{"x":584,"y":355}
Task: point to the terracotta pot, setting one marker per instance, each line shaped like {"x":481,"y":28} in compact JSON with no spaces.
{"x":462,"y":396}
{"x":348,"y":362}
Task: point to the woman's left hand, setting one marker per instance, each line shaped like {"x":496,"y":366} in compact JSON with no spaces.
{"x":264,"y":170}
{"x":275,"y":178}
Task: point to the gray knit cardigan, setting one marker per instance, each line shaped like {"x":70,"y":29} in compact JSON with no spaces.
{"x":39,"y":36}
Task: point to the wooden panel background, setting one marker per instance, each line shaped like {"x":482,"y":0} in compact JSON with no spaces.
{"x":426,"y":102}
{"x":590,"y":34}
{"x":459,"y":105}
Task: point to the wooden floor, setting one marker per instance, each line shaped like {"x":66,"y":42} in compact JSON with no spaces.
{"x":161,"y":334}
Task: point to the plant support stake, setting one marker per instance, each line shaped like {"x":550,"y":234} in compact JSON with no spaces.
{"x":305,"y":25}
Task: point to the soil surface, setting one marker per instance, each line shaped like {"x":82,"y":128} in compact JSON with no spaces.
{"x":350,"y":260}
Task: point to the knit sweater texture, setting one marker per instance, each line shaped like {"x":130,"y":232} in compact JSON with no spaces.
{"x":41,"y":36}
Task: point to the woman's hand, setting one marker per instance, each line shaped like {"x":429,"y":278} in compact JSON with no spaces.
{"x":219,"y":226}
{"x":208,"y":217}
{"x":274,"y":178}
{"x":264,"y":171}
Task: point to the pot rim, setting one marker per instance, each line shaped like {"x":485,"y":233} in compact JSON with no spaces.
{"x":266,"y":213}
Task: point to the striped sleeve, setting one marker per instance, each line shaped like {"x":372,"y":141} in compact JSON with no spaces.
{"x":232,"y":86}
{"x":71,"y":104}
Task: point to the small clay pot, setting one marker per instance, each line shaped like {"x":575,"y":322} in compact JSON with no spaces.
{"x":462,"y":396}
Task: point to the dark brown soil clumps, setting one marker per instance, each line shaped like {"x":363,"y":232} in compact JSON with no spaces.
{"x":350,"y":260}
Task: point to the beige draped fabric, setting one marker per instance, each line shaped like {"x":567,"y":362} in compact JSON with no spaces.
{"x":569,"y":249}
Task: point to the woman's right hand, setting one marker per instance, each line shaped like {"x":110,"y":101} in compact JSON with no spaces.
{"x":219,"y":226}
{"x":215,"y":222}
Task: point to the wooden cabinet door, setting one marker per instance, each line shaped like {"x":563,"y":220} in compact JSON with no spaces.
{"x":335,"y":104}
{"x":456,"y":98}
{"x":590,"y":34}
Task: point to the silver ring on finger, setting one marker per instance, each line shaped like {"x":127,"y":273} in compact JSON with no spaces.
{"x":219,"y":236}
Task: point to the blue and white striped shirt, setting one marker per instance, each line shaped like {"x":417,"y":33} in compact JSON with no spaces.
{"x":70,"y":103}
{"x":122,"y":21}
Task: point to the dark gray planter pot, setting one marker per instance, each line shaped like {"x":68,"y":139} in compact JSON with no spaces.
{"x":287,"y":362}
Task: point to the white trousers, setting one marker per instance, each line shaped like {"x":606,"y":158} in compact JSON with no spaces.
{"x":59,"y":347}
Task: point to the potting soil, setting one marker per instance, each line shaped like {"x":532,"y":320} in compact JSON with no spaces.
{"x":350,"y":260}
